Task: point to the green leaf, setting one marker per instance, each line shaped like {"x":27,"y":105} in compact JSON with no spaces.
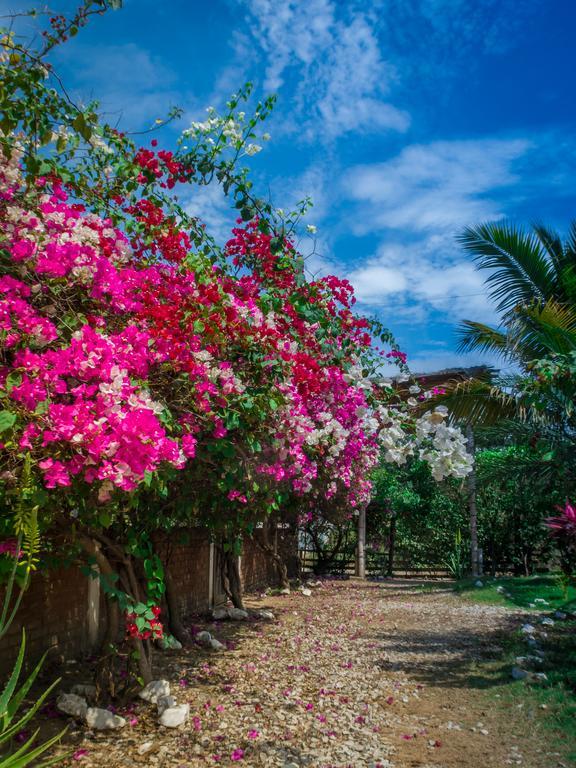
{"x":7,"y":420}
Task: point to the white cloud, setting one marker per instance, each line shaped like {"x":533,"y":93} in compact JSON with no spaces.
{"x":333,"y":55}
{"x":434,"y":187}
{"x":291,"y":33}
{"x":214,"y":209}
{"x":414,"y":279}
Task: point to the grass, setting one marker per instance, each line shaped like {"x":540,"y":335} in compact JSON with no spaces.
{"x":521,"y":592}
{"x":550,"y":708}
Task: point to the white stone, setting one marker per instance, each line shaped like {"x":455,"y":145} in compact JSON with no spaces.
{"x":145,"y":747}
{"x":154,"y":690}
{"x":285,"y":591}
{"x":528,"y":629}
{"x":266,"y":615}
{"x":216,"y":645}
{"x":478,"y":583}
{"x":203,"y":638}
{"x":102,"y":719}
{"x":165,"y":702}
{"x":306,"y":592}
{"x":218,"y":614}
{"x":71,"y":704}
{"x":237,"y":614}
{"x":175,"y":716}
{"x":560,"y":615}
{"x":547,"y":622}
{"x":86,"y":691}
{"x":519,"y":674}
{"x":540,"y":677}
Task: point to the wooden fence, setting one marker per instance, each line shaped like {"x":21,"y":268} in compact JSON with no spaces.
{"x":344,"y":566}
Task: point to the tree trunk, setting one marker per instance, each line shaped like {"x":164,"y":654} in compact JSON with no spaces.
{"x":231,"y":578}
{"x":471,"y":483}
{"x":174,"y":616}
{"x":270,"y":549}
{"x":361,"y":550}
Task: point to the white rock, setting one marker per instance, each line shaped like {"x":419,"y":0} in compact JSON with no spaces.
{"x":500,"y":589}
{"x":237,"y":614}
{"x":86,"y":691}
{"x":154,"y":690}
{"x":165,"y":702}
{"x":266,"y":615}
{"x":218,"y":614}
{"x":203,"y":638}
{"x":102,"y":719}
{"x":175,"y":716}
{"x":560,"y":615}
{"x":540,"y":677}
{"x":306,"y":592}
{"x":216,"y":645}
{"x":145,"y":747}
{"x":540,"y":600}
{"x":528,"y":629}
{"x":285,"y":591}
{"x":547,"y":622}
{"x":478,"y":583}
{"x":519,"y":674}
{"x":71,"y":704}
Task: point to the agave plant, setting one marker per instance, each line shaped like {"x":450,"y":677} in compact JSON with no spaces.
{"x":11,"y":700}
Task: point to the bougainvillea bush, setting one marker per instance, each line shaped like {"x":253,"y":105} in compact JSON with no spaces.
{"x":138,"y":358}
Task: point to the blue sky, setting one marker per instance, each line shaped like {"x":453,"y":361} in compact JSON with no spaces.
{"x":404,"y":120}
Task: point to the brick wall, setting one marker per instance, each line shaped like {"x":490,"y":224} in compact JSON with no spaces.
{"x":63,"y":610}
{"x":55,"y":615}
{"x":257,"y":570}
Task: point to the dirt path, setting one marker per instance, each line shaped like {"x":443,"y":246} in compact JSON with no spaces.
{"x":360,"y":675}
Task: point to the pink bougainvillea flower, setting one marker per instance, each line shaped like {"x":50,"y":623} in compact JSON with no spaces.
{"x":407,"y":736}
{"x":79,"y":754}
{"x":253,"y":734}
{"x":237,"y":755}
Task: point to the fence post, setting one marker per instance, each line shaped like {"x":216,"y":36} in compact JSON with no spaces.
{"x":361,"y":549}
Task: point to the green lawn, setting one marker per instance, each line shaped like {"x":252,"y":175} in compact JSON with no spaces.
{"x":550,"y":707}
{"x":523,"y":592}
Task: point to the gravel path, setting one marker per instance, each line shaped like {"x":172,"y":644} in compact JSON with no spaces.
{"x":355,"y":675}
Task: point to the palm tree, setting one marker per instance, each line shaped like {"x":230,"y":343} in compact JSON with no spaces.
{"x":532,"y":280}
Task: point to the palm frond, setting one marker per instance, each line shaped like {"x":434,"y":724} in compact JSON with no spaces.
{"x":544,"y":330}
{"x":520,"y":270}
{"x":478,"y":402}
{"x":478,"y":337}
